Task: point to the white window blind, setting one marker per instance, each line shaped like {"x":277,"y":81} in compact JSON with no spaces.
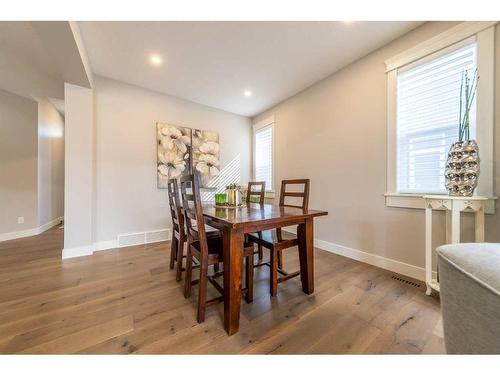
{"x":263,"y":139}
{"x":428,"y":113}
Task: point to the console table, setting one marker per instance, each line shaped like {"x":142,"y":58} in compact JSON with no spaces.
{"x":454,"y":206}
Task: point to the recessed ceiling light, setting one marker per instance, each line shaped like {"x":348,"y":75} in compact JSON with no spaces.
{"x":155,"y":59}
{"x":247,"y":93}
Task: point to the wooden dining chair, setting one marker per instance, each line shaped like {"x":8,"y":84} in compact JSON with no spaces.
{"x":276,"y":241}
{"x":260,"y":193}
{"x":207,"y":251}
{"x":179,"y":230}
{"x":178,"y":234}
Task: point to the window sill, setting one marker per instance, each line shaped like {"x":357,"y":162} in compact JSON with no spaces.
{"x":416,"y":201}
{"x":271,"y":194}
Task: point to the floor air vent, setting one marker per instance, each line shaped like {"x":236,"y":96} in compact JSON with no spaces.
{"x":131,"y":239}
{"x":157,"y":236}
{"x":408,"y":282}
{"x":143,"y":237}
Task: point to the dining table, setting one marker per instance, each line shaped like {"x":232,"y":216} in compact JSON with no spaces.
{"x":235,"y":222}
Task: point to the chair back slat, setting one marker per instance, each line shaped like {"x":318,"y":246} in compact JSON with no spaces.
{"x":190,"y":197}
{"x":259,"y":193}
{"x":304,"y":193}
{"x":175,"y":206}
{"x":193,"y":211}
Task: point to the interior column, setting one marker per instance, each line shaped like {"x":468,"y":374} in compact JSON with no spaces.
{"x":79,"y":201}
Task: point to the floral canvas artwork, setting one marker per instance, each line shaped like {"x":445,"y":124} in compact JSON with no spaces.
{"x":205,"y":154}
{"x":182,"y":151}
{"x":174,"y":152}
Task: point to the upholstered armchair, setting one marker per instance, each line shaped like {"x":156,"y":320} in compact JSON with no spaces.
{"x":469,"y":276}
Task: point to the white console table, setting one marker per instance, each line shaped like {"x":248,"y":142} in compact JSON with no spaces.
{"x":453,"y":206}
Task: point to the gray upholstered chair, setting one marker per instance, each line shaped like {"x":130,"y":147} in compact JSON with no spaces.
{"x":469,"y":276}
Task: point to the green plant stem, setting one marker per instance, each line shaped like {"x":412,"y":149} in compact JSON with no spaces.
{"x":460,"y":112}
{"x":469,"y":91}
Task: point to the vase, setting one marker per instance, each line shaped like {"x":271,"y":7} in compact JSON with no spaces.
{"x":462,"y":168}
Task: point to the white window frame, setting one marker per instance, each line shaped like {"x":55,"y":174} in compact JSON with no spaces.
{"x":268,"y":122}
{"x":483,"y":33}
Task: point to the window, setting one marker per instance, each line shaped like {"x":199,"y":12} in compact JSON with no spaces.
{"x":423,"y":89}
{"x":264,"y":153}
{"x":428,"y":112}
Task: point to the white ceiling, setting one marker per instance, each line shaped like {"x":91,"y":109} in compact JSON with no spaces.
{"x":212,"y":63}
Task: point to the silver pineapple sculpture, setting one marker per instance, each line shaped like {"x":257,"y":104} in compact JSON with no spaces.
{"x":462,"y":166}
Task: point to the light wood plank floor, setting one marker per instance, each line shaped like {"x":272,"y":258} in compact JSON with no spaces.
{"x":127,"y":301}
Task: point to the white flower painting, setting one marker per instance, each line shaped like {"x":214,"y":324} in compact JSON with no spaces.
{"x":174,"y":152}
{"x":182,"y":151}
{"x":206,"y":155}
{"x":172,"y":137}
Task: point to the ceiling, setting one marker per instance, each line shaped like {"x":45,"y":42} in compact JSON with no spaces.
{"x":36,"y":58}
{"x":213,"y":63}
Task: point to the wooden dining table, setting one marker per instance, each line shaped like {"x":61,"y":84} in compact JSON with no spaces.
{"x":234,"y":223}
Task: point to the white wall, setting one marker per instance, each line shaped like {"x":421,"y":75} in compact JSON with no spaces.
{"x":18,"y":164}
{"x":79,"y":171}
{"x":50,"y":163}
{"x":128,"y":200}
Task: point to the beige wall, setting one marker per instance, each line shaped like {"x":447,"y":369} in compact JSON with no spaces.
{"x":335,"y":133}
{"x":127,"y":198}
{"x":50,"y":163}
{"x":18,"y":162}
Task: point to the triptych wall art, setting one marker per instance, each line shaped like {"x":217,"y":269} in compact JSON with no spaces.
{"x":182,"y":151}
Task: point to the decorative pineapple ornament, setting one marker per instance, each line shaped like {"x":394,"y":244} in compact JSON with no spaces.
{"x":462,"y":166}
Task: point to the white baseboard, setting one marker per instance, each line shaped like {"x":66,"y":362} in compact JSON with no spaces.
{"x":106,"y":245}
{"x":50,"y":224}
{"x":78,"y":251}
{"x":375,"y":260}
{"x":18,"y":234}
{"x":30,"y":232}
{"x":362,"y":256}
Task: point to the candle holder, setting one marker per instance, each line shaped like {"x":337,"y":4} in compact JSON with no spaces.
{"x":220,"y":199}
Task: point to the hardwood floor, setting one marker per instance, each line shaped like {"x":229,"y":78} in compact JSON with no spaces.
{"x":127,"y":301}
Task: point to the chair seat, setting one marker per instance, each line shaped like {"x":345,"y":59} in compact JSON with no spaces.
{"x":214,"y":249}
{"x":210,"y":232}
{"x":269,"y":239}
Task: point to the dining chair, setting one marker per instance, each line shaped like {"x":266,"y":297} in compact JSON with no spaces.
{"x":260,"y":193}
{"x":179,"y":230}
{"x":207,"y":251}
{"x":275,"y":240}
{"x":178,"y":234}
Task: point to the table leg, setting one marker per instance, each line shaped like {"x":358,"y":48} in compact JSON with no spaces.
{"x":455,"y":222}
{"x":448,"y":226}
{"x":233,"y":263}
{"x":306,"y":255}
{"x":480,"y":225}
{"x":428,"y":249}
